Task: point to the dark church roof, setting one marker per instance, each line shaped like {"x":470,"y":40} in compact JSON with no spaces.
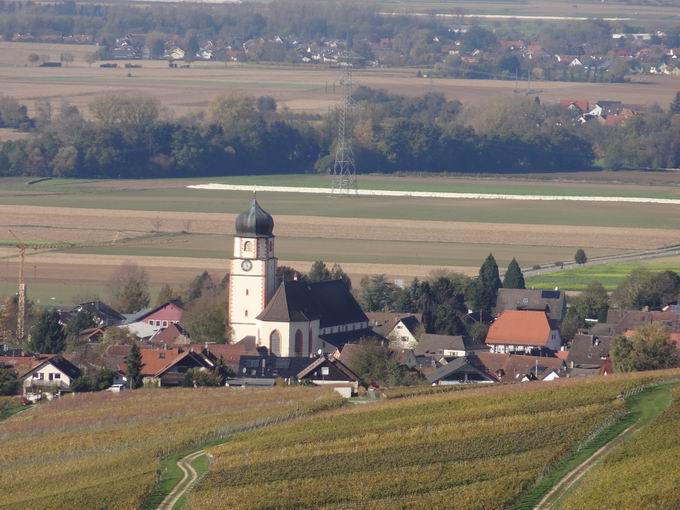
{"x":255,"y":222}
{"x":331,"y":302}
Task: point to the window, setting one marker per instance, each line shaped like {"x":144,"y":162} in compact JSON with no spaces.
{"x":247,"y":292}
{"x":161,"y":355}
{"x":57,"y":376}
{"x":248,"y":246}
{"x":324,"y":371}
{"x":298,"y":343}
{"x":309,"y":342}
{"x":275,"y":342}
{"x":50,"y":376}
{"x":41,"y":376}
{"x":165,"y":324}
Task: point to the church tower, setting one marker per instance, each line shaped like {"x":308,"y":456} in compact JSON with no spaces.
{"x":252,"y":280}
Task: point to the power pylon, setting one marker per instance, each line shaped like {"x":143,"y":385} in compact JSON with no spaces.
{"x":344,"y":174}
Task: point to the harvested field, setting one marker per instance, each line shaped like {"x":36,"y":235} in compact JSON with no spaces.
{"x":103,"y":225}
{"x":175,"y":232}
{"x":300,"y":88}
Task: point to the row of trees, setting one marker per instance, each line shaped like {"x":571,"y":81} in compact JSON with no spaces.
{"x":130,"y":137}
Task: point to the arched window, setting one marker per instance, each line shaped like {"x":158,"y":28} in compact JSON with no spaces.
{"x":246,"y":292}
{"x":248,"y":246}
{"x":246,"y":313}
{"x":298,"y":343}
{"x":309,"y":342}
{"x":275,"y":342}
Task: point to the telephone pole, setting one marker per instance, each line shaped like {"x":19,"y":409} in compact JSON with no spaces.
{"x":343,"y":174}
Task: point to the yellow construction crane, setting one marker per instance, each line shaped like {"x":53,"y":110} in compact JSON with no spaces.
{"x":21,"y":301}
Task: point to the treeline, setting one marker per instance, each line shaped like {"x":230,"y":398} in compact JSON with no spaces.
{"x":129,"y":137}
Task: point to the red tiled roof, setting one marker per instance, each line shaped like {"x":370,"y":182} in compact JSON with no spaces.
{"x":23,"y":364}
{"x":520,"y":327}
{"x":155,"y":360}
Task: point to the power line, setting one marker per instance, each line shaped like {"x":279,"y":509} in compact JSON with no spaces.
{"x":344,"y":175}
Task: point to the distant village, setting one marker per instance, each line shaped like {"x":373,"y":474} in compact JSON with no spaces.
{"x":632,"y":54}
{"x":316,"y":333}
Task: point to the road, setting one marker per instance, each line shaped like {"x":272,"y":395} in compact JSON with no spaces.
{"x":189,"y":477}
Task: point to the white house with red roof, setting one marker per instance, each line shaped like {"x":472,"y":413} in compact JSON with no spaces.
{"x":523,"y":331}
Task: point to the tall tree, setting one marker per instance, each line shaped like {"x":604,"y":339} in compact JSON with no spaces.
{"x":675,"y":105}
{"x":337,"y":273}
{"x":514,"y":278}
{"x":319,"y":272}
{"x":376,"y":293}
{"x":133,"y":367}
{"x":202,"y":284}
{"x":206,"y":319}
{"x":580,"y":257}
{"x":167,"y":293}
{"x":447,"y":321}
{"x":484,"y":289}
{"x":9,"y":384}
{"x":47,"y":334}
{"x":129,"y":288}
{"x":593,"y":303}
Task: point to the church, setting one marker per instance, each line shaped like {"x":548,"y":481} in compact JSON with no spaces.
{"x":297,"y":318}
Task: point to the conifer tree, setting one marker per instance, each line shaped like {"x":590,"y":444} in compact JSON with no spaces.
{"x":484,"y":289}
{"x":133,"y":367}
{"x":514,"y":279}
{"x":47,"y":334}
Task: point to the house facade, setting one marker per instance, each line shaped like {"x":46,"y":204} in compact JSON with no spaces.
{"x":54,"y":374}
{"x":523,"y":332}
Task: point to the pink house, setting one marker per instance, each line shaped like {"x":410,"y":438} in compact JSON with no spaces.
{"x":163,"y":315}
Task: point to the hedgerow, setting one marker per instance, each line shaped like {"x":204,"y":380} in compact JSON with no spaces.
{"x":479,"y":448}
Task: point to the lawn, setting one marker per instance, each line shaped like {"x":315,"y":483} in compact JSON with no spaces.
{"x":479,"y":448}
{"x":609,"y":275}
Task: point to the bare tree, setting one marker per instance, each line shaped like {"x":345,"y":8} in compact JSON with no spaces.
{"x":129,"y":287}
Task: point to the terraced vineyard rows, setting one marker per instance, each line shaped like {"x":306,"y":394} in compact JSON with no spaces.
{"x":103,"y":450}
{"x":642,"y":473}
{"x":479,"y":448}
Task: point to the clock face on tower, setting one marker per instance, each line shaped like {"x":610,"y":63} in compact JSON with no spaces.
{"x":246,"y":265}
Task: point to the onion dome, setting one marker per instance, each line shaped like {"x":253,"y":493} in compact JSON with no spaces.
{"x":255,"y":222}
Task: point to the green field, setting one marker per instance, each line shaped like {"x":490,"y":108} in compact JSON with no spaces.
{"x":609,"y":275}
{"x":171,"y":195}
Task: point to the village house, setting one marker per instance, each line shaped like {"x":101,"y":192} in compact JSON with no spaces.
{"x":513,"y":368}
{"x":161,"y":316}
{"x":460,"y":371}
{"x":447,"y":346}
{"x":524,"y":332}
{"x":167,"y":367}
{"x":399,"y":328}
{"x":51,"y":374}
{"x":325,"y":370}
{"x":588,"y":354}
{"x":552,"y":302}
{"x":103,"y":314}
{"x":173,"y":335}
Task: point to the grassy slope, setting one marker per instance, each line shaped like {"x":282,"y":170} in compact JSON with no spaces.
{"x":642,"y":409}
{"x":609,"y":275}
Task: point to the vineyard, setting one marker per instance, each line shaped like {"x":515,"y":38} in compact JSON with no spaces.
{"x":643,"y":473}
{"x":480,"y":448}
{"x":103,"y":450}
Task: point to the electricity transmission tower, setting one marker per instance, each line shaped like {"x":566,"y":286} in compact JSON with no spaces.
{"x":344,"y":174}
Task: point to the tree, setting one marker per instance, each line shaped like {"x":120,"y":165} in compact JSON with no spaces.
{"x":649,"y":348}
{"x":133,"y":367}
{"x":376,"y":293}
{"x":167,"y":293}
{"x":484,"y":289}
{"x":119,"y":336}
{"x":319,"y":272}
{"x":91,"y":58}
{"x":79,"y":322}
{"x":203,"y":284}
{"x":643,"y":288}
{"x":206,"y":319}
{"x":288,"y":274}
{"x":376,"y":365}
{"x":580,"y":257}
{"x":447,"y":321}
{"x":593,"y":303}
{"x":197,"y":377}
{"x":132,"y":114}
{"x":675,"y":105}
{"x":9,"y":384}
{"x":47,"y":334}
{"x":66,"y":57}
{"x":129,"y":288}
{"x":338,"y":274}
{"x":513,"y":278}
{"x":33,"y":58}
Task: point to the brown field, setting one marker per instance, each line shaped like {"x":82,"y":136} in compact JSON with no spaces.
{"x":300,"y":88}
{"x":12,"y":134}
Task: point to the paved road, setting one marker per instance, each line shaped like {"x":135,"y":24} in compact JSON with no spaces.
{"x":188,"y":479}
